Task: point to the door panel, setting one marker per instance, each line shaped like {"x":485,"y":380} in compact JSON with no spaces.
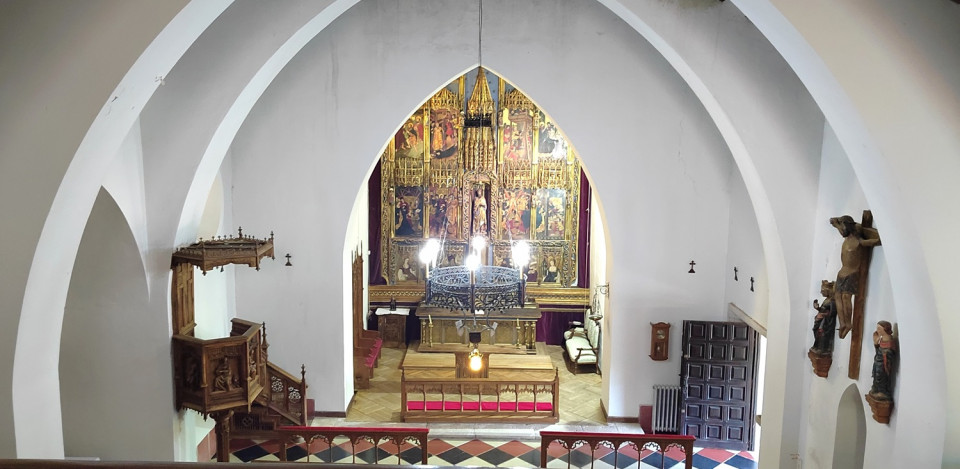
{"x":718,"y":390}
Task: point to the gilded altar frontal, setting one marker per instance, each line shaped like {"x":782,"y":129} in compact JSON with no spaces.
{"x":485,"y":163}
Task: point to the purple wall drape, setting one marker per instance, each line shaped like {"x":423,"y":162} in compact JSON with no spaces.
{"x":373,"y":213}
{"x":583,"y":234}
{"x":552,"y":324}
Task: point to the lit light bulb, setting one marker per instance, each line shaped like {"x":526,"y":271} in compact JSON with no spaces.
{"x":476,"y":362}
{"x":472,"y":261}
{"x":478,"y":242}
{"x":521,"y":253}
{"x":429,"y":251}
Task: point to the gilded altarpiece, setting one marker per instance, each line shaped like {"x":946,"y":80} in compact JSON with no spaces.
{"x":480,"y":163}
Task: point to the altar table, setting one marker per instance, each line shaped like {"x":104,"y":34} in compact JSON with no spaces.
{"x":511,"y":331}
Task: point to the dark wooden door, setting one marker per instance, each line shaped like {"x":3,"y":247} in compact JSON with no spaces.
{"x":717,"y":373}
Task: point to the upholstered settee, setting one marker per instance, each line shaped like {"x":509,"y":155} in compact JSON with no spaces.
{"x":580,"y":344}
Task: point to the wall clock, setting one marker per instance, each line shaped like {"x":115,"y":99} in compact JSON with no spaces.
{"x":659,"y":341}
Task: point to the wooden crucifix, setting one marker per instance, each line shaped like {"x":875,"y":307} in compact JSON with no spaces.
{"x":851,"y":285}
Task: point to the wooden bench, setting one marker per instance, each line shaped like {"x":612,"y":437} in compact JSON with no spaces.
{"x":366,"y":357}
{"x":580,"y":344}
{"x":525,"y":390}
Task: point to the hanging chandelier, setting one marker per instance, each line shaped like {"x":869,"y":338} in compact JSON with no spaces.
{"x":475,"y":287}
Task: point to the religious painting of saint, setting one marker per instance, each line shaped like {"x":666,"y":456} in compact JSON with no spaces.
{"x":550,"y":270}
{"x":408,"y":272}
{"x":550,"y":143}
{"x":533,"y":276}
{"x":516,"y":213}
{"x":408,"y":212}
{"x":444,"y":134}
{"x":551,"y":213}
{"x":408,"y":143}
{"x":444,"y":214}
{"x":516,"y":138}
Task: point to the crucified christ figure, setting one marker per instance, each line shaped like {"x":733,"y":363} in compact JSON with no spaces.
{"x":856,"y":240}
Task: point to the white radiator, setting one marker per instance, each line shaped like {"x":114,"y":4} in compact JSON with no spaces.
{"x":665,"y":408}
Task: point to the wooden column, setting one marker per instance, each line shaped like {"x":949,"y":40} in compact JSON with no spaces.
{"x":223,"y":434}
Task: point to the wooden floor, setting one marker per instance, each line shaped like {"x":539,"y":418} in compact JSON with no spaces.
{"x":579,"y":393}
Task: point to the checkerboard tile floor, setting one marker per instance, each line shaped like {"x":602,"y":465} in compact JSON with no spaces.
{"x":488,"y":453}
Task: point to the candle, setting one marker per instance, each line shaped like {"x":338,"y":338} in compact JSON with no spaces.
{"x":518,"y":322}
{"x":429,"y":317}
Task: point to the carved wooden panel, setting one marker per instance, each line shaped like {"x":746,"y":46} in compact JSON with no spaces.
{"x":182,"y":299}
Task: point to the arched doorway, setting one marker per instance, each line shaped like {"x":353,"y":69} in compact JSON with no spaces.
{"x":851,"y":433}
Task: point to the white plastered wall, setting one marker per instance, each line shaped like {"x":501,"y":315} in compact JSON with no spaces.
{"x":61,"y":132}
{"x":109,"y":362}
{"x":931,"y":119}
{"x":745,"y":253}
{"x":886,"y":80}
{"x":598,"y":276}
{"x":840,"y":194}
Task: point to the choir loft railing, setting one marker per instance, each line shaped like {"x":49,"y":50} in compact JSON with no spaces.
{"x":670,"y":447}
{"x":396,"y":436}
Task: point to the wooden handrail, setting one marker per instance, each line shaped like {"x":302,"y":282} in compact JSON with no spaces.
{"x":293,"y":409}
{"x":396,"y":435}
{"x":573,"y":440}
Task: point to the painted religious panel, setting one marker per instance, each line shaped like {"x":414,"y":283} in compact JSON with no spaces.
{"x":407,"y":265}
{"x":532,"y":271}
{"x":551,"y":265}
{"x":516,"y":136}
{"x":409,"y":141}
{"x":444,"y":213}
{"x":502,"y":255}
{"x":408,"y":212}
{"x":516,"y":213}
{"x":550,"y":143}
{"x":551,"y":213}
{"x":444,"y":134}
{"x":452,"y":254}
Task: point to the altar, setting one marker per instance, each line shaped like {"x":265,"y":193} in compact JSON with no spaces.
{"x":512,"y":331}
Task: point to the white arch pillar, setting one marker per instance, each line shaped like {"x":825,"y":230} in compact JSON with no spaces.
{"x":34,"y":393}
{"x":851,"y":67}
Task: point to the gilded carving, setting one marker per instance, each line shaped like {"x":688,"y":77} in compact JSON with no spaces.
{"x":491,"y":164}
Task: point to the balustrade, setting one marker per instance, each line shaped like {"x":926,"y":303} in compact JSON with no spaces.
{"x":376,"y":436}
{"x":571,"y":441}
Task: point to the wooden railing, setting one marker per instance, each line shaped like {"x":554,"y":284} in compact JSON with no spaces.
{"x":288,"y":394}
{"x":614,"y":441}
{"x":376,"y":436}
{"x":290,"y":436}
{"x":479,"y":400}
{"x":281,"y":403}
